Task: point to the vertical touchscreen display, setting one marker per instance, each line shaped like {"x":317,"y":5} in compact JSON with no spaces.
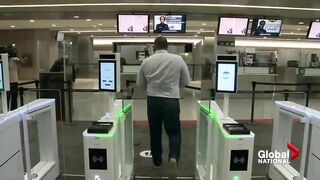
{"x":107,"y":74}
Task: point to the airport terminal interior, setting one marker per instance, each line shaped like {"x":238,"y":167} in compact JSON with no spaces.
{"x":71,"y":108}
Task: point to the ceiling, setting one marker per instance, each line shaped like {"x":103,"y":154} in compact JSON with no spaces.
{"x":283,"y":3}
{"x":201,"y":16}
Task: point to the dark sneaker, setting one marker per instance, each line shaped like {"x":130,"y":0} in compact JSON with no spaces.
{"x":173,"y":168}
{"x":157,"y":167}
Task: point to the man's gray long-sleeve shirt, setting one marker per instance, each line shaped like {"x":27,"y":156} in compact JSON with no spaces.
{"x":162,"y":74}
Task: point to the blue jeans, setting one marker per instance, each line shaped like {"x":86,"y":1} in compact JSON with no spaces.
{"x":164,"y":111}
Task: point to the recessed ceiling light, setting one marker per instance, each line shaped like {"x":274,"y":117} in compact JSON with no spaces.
{"x":91,"y":35}
{"x":307,"y":27}
{"x":100,"y":24}
{"x":94,"y":26}
{"x":76,"y":17}
{"x":198,"y":32}
{"x":12,"y":26}
{"x":301,"y":22}
{"x":204,"y":24}
{"x":291,"y":32}
{"x":71,"y":29}
{"x":125,"y":35}
{"x":251,"y":20}
{"x":298,"y":38}
{"x":53,"y":25}
{"x":31,"y":20}
{"x":88,"y":19}
{"x":115,"y":26}
{"x":99,"y":29}
{"x":264,"y":37}
{"x":201,"y":29}
{"x":195,"y":35}
{"x":299,"y":29}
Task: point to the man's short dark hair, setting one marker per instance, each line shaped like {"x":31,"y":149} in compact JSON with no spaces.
{"x":12,"y":51}
{"x":161,"y":43}
{"x":262,"y":22}
{"x":162,"y":17}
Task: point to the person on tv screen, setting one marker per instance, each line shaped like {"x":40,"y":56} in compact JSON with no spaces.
{"x":162,"y":26}
{"x":260,"y":29}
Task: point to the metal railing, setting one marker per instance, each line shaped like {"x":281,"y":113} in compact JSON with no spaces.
{"x":69,"y":89}
{"x":286,"y":93}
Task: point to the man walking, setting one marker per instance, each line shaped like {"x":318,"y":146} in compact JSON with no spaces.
{"x":161,"y":75}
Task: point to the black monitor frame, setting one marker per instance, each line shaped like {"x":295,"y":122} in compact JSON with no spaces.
{"x":310,"y":26}
{"x":236,"y":76}
{"x":240,"y":17}
{"x":2,"y":83}
{"x":270,"y":33}
{"x":133,"y":32}
{"x":115,"y":75}
{"x":168,"y":14}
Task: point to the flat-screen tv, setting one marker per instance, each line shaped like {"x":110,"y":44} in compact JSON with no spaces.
{"x":266,"y":27}
{"x":173,"y":23}
{"x":133,"y":23}
{"x":314,"y":30}
{"x":233,"y":26}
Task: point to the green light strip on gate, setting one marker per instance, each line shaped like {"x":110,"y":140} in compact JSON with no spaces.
{"x":213,"y":116}
{"x":127,"y":107}
{"x":236,"y":177}
{"x":119,"y":116}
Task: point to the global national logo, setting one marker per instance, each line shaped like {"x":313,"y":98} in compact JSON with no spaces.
{"x":276,"y":157}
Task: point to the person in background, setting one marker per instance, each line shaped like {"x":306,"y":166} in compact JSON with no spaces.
{"x":13,"y":76}
{"x":161,"y":75}
{"x":162,"y":26}
{"x":58,"y":66}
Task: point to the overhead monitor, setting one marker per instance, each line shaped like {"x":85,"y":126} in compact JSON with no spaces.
{"x":107,"y":75}
{"x":266,"y":27}
{"x":173,"y":23}
{"x":314,"y":30}
{"x":133,"y":23}
{"x":1,"y":77}
{"x":233,"y":26}
{"x":226,"y":76}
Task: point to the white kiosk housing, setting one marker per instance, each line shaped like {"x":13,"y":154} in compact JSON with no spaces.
{"x":108,"y":143}
{"x":221,"y":154}
{"x":11,"y":154}
{"x":224,"y":147}
{"x":15,"y":161}
{"x":226,"y":77}
{"x":109,"y":155}
{"x":285,"y":112}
